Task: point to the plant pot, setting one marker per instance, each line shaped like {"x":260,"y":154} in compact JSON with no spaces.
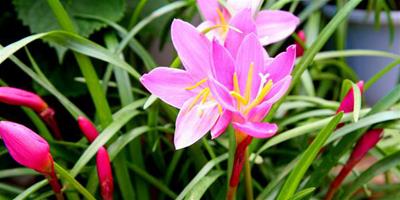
{"x":361,"y":34}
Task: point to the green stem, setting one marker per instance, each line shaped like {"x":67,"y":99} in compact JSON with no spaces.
{"x":247,"y":176}
{"x":86,"y":66}
{"x":64,"y":174}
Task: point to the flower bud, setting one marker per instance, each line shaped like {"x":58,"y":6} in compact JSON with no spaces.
{"x":299,"y":48}
{"x":15,"y":96}
{"x":88,"y":128}
{"x":347,"y":103}
{"x":104,"y":173}
{"x":26,"y":147}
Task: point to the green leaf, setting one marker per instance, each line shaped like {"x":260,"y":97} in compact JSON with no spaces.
{"x":74,"y":42}
{"x":120,"y":119}
{"x":346,"y":85}
{"x":376,"y":169}
{"x":6,"y":173}
{"x":201,"y":187}
{"x":292,"y":182}
{"x":200,"y":175}
{"x":74,"y":183}
{"x":303,"y":193}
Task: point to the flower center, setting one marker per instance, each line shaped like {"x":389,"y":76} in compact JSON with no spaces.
{"x":243,"y":101}
{"x":204,"y":96}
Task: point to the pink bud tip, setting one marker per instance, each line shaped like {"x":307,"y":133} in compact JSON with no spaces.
{"x":104,"y":172}
{"x":88,"y":128}
{"x":26,"y":147}
{"x":347,"y":103}
{"x":299,"y":48}
{"x":15,"y":96}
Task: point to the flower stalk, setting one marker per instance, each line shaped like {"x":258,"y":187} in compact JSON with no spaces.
{"x":364,"y":144}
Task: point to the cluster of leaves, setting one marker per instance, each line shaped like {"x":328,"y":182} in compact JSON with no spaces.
{"x":126,"y":40}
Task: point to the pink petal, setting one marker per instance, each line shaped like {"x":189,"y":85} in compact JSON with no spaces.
{"x":238,"y":5}
{"x":221,"y":94}
{"x":250,"y":52}
{"x":169,"y":85}
{"x":193,"y":48}
{"x":15,"y":96}
{"x":259,"y":112}
{"x":256,"y":129}
{"x":194,"y":123}
{"x":273,"y":26}
{"x":88,"y":128}
{"x":208,"y":8}
{"x":278,"y":90}
{"x":104,"y":173}
{"x":243,"y":21}
{"x":26,"y":147}
{"x":347,"y":104}
{"x":223,"y":65}
{"x":282,"y":65}
{"x":221,"y":124}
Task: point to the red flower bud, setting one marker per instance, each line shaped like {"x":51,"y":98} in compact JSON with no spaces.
{"x":104,"y":173}
{"x":15,"y":96}
{"x":347,"y":103}
{"x":299,"y":48}
{"x":88,"y":128}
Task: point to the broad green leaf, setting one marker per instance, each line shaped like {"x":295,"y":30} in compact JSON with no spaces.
{"x":43,"y":19}
{"x":204,"y":171}
{"x":306,"y":115}
{"x":376,"y":169}
{"x":201,"y":187}
{"x":292,"y":182}
{"x":74,"y":42}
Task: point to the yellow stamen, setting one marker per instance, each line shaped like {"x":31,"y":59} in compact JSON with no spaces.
{"x":236,"y":83}
{"x":264,"y":91}
{"x":205,"y":95}
{"x":219,"y":108}
{"x":249,"y":82}
{"x":196,"y":85}
{"x":238,"y":97}
{"x":196,"y":99}
{"x":221,"y":18}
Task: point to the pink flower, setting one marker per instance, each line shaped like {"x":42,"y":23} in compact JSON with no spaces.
{"x":246,"y":87}
{"x":104,"y":173}
{"x":347,"y":103}
{"x":364,"y":144}
{"x":15,"y":96}
{"x":187,"y":89}
{"x":271,"y":26}
{"x":26,"y":147}
{"x":299,"y":48}
{"x":88,"y":128}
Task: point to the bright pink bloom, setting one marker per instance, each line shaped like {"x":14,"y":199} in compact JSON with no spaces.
{"x":347,"y":103}
{"x":271,"y":26}
{"x":246,"y":86}
{"x":15,"y":96}
{"x":26,"y":147}
{"x":104,"y":173}
{"x":88,"y":128}
{"x":299,"y":48}
{"x":364,"y":144}
{"x":187,"y":89}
